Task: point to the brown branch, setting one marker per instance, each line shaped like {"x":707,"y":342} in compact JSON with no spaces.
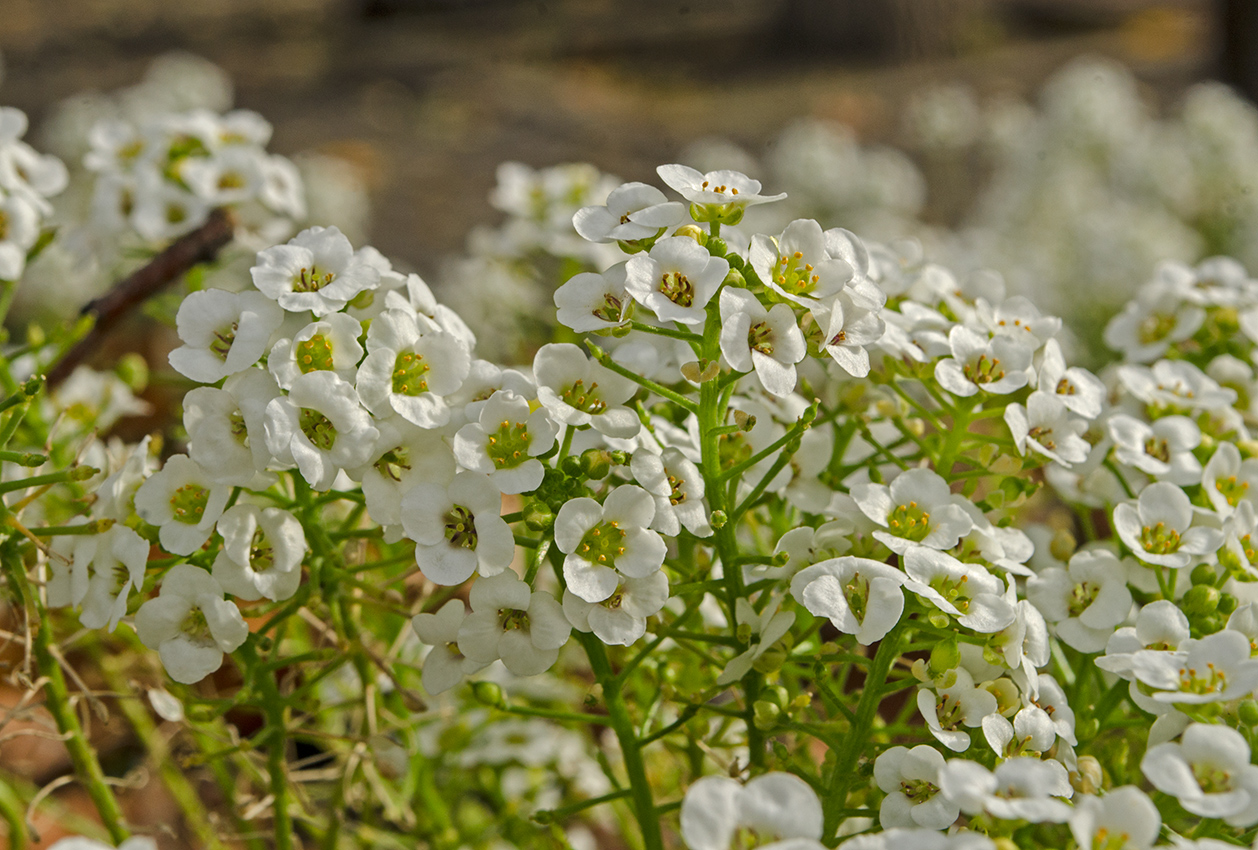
{"x":200,"y":246}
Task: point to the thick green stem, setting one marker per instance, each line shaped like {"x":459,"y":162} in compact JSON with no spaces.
{"x":14,"y":814}
{"x":276,"y":762}
{"x":840,"y":779}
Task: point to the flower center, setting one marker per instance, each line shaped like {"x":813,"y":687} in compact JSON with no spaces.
{"x":1044,"y":436}
{"x":1081,"y":596}
{"x":1212,"y":779}
{"x":393,"y":463}
{"x":223,"y":339}
{"x":314,"y":354}
{"x":509,"y":446}
{"x":1064,"y":387}
{"x":261,"y":552}
{"x":1213,"y":681}
{"x":1155,"y":328}
{"x":676,"y":287}
{"x":195,"y":626}
{"x":1159,"y":540}
{"x":760,"y":338}
{"x":984,"y":370}
{"x":231,"y":180}
{"x":311,"y":279}
{"x":602,"y":543}
{"x":461,"y":527}
{"x":910,"y":522}
{"x":409,"y":369}
{"x":794,"y":275}
{"x":188,"y":503}
{"x":318,"y":429}
{"x":856,"y":591}
{"x":585,"y":400}
{"x":677,"y":495}
{"x":511,"y":619}
{"x":1233,"y":491}
{"x":1158,"y":449}
{"x":239,"y":431}
{"x":918,"y":790}
{"x":953,"y":590}
{"x":610,"y":310}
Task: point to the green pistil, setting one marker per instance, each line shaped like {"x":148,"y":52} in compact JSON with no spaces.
{"x":311,"y":280}
{"x":794,"y":277}
{"x":1106,"y":840}
{"x":948,"y":710}
{"x":602,"y":543}
{"x":613,"y":602}
{"x":918,"y":790}
{"x":393,"y":463}
{"x":261,"y":553}
{"x":587,"y":401}
{"x":1213,"y":682}
{"x":513,"y":618}
{"x":223,"y":339}
{"x":1155,"y":328}
{"x":314,"y":354}
{"x":239,"y":431}
{"x":676,"y":287}
{"x":610,"y":310}
{"x":856,"y":591}
{"x":1213,"y":780}
{"x":1159,"y":540}
{"x":953,"y":590}
{"x":195,"y":625}
{"x":408,"y":374}
{"x":461,"y":527}
{"x":1159,"y":449}
{"x":910,"y":522}
{"x":509,"y":447}
{"x":1231,"y":489}
{"x":318,"y":429}
{"x":676,"y":495}
{"x":985,"y":370}
{"x":760,"y":338}
{"x":1081,"y":597}
{"x":188,"y":503}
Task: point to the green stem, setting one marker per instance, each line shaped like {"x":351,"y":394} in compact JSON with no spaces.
{"x":668,"y":332}
{"x":607,"y":362}
{"x":840,"y":779}
{"x":277,"y":753}
{"x":14,"y":814}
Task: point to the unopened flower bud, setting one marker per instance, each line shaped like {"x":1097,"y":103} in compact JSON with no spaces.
{"x":1063,"y":545}
{"x":1202,"y":574}
{"x":1089,"y":777}
{"x":133,"y":370}
{"x":1247,"y":711}
{"x":716,"y":246}
{"x":596,"y":464}
{"x":766,"y":714}
{"x":1201,"y":599}
{"x":489,"y":693}
{"x":694,"y":232}
{"x":945,"y":656}
{"x":719,"y":519}
{"x":1227,"y":603}
{"x":82,"y":473}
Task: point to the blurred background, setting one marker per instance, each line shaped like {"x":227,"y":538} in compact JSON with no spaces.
{"x":426,"y":97}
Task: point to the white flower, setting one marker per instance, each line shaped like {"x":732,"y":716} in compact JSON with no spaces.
{"x":1031,"y":733}
{"x":184,"y":502}
{"x":115,"y":498}
{"x":1124,"y":813}
{"x":910,"y":779}
{"x":1153,"y":321}
{"x":445,"y":666}
{"x":1020,"y":789}
{"x":405,"y":455}
{"x":768,"y":341}
{"x":676,"y":280}
{"x":19,"y":231}
{"x":958,"y":701}
{"x":1208,"y":772}
{"x":577,"y":391}
{"x":767,"y":627}
{"x":1086,"y":601}
{"x":1175,"y":386}
{"x":918,"y":507}
{"x":899,"y":838}
{"x":505,"y":441}
{"x":1162,"y":449}
{"x":861,"y":597}
{"x":1156,"y":528}
{"x":620,"y":619}
{"x":190,"y":624}
{"x":773,"y":805}
{"x":77,"y":842}
{"x":998,"y":365}
{"x":458,"y":528}
{"x":594,"y":302}
{"x":798,"y":265}
{"x":316,"y":270}
{"x":525,"y":629}
{"x":850,"y":328}
{"x":223,"y":333}
{"x":320,"y":427}
{"x":226,"y":435}
{"x":1216,"y":668}
{"x":329,"y":344}
{"x":1045,"y":424}
{"x":262,"y":553}
{"x":677,"y":486}
{"x":968,"y":592}
{"x":634,"y":212}
{"x":1227,"y":479}
{"x":411,"y":365}
{"x":720,"y":196}
{"x":605,"y":542}
{"x":104,"y":569}
{"x":1078,"y":389}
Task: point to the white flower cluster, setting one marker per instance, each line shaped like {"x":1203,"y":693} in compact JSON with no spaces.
{"x":27,"y":180}
{"x":162,"y":177}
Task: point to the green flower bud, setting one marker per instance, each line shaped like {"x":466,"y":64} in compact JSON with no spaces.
{"x":766,"y":714}
{"x":1228,"y":603}
{"x":945,"y":656}
{"x":488,"y":693}
{"x":538,"y":516}
{"x":1247,"y":711}
{"x":694,"y":232}
{"x":1203,"y":574}
{"x":596,"y":464}
{"x":1201,"y":599}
